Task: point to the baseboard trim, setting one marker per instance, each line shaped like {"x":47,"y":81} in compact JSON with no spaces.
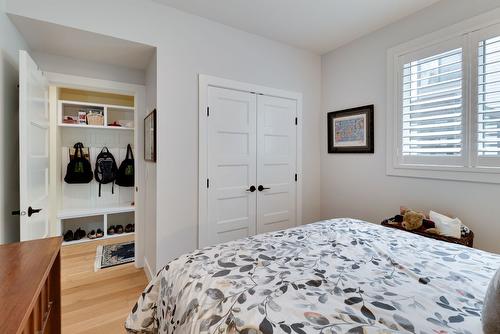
{"x":147,"y":269}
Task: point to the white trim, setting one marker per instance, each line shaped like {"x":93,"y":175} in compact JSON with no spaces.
{"x":462,"y":172}
{"x":147,"y":270}
{"x":139,"y":93}
{"x":204,"y":82}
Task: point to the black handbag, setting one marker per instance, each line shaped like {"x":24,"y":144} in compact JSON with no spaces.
{"x":125,"y":177}
{"x":79,"y":169}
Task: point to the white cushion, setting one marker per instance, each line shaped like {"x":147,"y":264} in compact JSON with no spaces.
{"x":446,"y":226}
{"x":491,"y":306}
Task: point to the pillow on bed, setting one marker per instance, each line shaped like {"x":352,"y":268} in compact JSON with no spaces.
{"x":491,"y":306}
{"x":447,"y":226}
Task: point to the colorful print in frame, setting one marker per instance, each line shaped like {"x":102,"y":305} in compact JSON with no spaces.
{"x":351,"y":130}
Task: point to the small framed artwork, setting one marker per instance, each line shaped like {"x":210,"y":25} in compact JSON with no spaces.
{"x":351,"y":130}
{"x":150,"y":137}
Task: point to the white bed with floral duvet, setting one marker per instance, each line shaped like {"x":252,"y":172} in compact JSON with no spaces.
{"x":336,"y":276}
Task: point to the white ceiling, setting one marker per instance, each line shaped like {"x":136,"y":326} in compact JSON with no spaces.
{"x":59,"y":40}
{"x":315,"y":25}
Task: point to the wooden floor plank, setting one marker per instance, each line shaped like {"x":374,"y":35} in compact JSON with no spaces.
{"x":97,"y":302}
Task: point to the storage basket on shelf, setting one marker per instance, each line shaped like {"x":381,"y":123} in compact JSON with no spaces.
{"x":466,"y":240}
{"x":94,"y":118}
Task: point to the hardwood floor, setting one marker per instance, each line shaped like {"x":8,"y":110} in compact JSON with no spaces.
{"x":97,"y":302}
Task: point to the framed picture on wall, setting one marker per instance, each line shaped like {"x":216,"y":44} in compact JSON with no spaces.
{"x":150,"y":137}
{"x":351,"y":130}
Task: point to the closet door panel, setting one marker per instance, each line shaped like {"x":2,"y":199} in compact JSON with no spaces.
{"x":276,"y":163}
{"x":231,"y":164}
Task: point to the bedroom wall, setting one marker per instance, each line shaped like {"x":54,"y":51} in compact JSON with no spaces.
{"x":149,"y":169}
{"x":356,"y":185}
{"x":10,"y":43}
{"x":186,"y":46}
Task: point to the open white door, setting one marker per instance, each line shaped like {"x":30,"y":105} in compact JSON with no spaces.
{"x":33,"y":149}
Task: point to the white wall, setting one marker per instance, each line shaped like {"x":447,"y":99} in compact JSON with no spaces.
{"x":189,"y":45}
{"x":356,"y":185}
{"x":89,"y":69}
{"x":149,"y":174}
{"x":10,"y":43}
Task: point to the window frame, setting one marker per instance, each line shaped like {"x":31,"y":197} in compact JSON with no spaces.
{"x":469,"y":166}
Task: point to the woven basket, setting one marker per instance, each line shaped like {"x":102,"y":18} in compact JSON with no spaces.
{"x":95,"y":119}
{"x":468,"y":240}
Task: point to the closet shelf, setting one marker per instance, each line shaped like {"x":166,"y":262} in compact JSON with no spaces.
{"x":85,"y":126}
{"x":80,"y":213}
{"x":83,"y":240}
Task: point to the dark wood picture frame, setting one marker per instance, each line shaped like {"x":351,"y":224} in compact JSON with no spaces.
{"x":369,"y":127}
{"x":150,"y":138}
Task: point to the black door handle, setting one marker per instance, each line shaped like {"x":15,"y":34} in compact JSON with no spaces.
{"x":261,"y":187}
{"x":251,"y":189}
{"x":32,"y":211}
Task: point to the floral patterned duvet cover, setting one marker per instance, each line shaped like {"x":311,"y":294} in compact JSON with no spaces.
{"x":336,"y":276}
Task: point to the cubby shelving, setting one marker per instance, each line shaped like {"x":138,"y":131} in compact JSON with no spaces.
{"x":80,"y":205}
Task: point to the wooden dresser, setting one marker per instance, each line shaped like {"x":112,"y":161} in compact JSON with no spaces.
{"x":30,"y":287}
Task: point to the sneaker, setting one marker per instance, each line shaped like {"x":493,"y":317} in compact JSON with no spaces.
{"x":99,"y":233}
{"x":119,"y":229}
{"x":111,"y":230}
{"x":91,"y":235}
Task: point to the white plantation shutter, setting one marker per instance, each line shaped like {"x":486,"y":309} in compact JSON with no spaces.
{"x":432,"y":106}
{"x":488,"y":98}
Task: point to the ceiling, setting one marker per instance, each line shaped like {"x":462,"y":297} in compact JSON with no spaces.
{"x":315,"y":25}
{"x":79,"y":44}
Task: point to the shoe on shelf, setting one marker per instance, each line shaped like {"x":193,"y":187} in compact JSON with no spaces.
{"x":68,"y":236}
{"x":119,"y":229}
{"x":91,"y":235}
{"x":111,"y":230}
{"x":79,"y":233}
{"x":133,"y":227}
{"x":128,"y":228}
{"x":99,"y":233}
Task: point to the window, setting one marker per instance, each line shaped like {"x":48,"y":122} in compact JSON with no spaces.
{"x":445,"y":107}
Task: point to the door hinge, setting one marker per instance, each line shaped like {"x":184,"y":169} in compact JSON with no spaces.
{"x":296,"y":121}
{"x":295,"y":177}
{"x":208,"y":111}
{"x":208,"y":183}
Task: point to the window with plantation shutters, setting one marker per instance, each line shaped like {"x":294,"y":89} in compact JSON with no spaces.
{"x":444,"y":105}
{"x":488,"y":98}
{"x":432,"y":105}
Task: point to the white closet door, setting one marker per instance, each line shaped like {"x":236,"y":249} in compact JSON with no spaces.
{"x":276,"y":163}
{"x":231,"y":166}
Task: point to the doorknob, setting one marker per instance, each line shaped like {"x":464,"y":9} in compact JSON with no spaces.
{"x":251,"y":189}
{"x":261,"y":187}
{"x":32,"y":211}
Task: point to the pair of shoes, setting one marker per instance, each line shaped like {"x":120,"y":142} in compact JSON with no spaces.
{"x":129,"y":228}
{"x":111,"y":230}
{"x":95,"y":234}
{"x":70,"y":236}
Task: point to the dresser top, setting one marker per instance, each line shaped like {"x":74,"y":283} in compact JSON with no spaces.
{"x":24,"y":267}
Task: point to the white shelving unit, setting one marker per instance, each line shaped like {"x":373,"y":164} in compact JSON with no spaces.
{"x":80,"y":206}
{"x":110,"y":112}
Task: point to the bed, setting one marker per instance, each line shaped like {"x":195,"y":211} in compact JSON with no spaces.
{"x":335,"y":276}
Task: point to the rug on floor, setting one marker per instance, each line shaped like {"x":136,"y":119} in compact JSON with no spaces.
{"x":114,"y":255}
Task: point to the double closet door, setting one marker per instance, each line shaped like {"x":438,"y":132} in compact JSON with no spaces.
{"x":252,"y":159}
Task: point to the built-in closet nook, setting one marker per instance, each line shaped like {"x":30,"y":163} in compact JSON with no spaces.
{"x":83,"y":94}
{"x":98,"y":120}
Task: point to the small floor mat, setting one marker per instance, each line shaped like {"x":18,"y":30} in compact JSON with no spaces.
{"x":114,"y":255}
